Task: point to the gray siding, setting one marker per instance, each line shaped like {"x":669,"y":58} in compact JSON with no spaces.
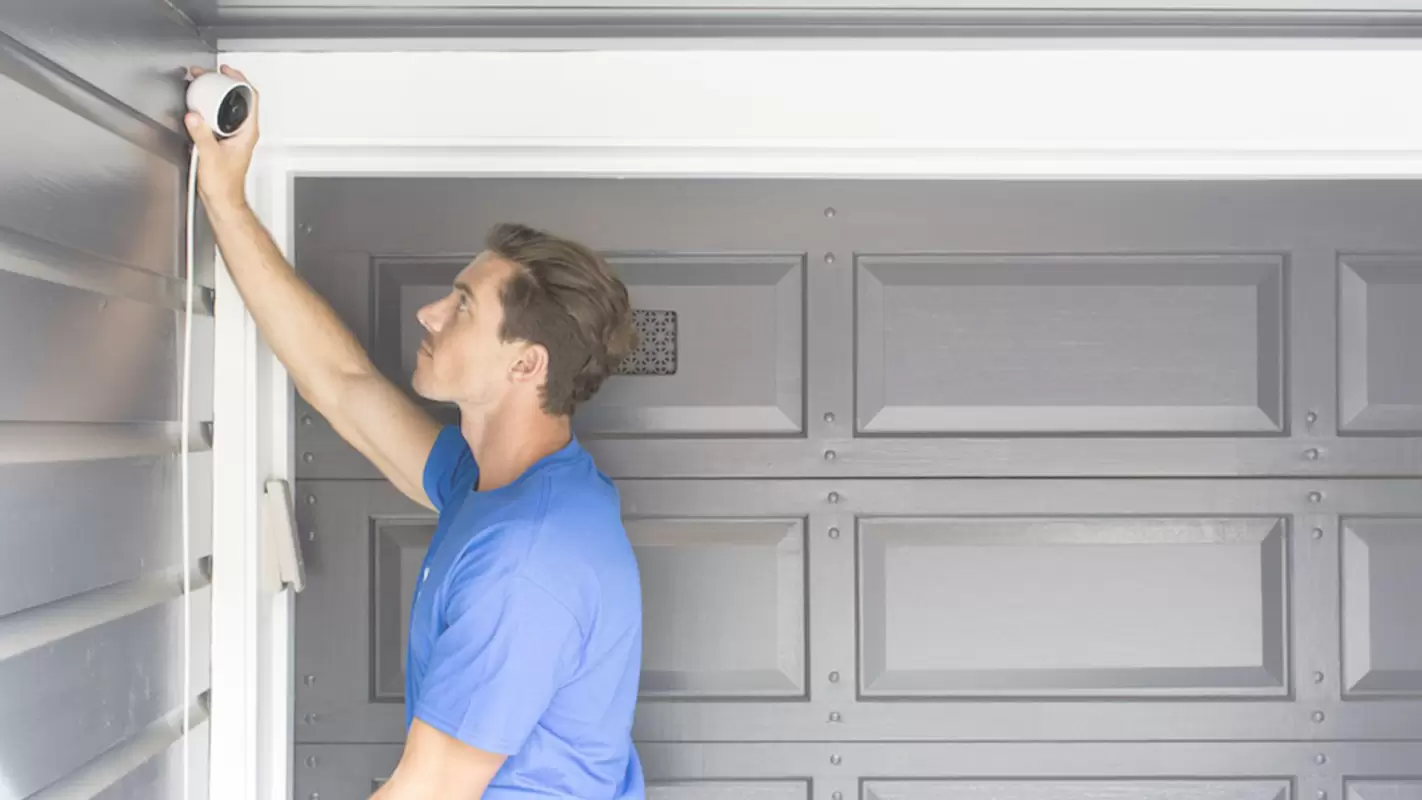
{"x":93,"y":165}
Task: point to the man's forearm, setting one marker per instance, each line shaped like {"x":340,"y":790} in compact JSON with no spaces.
{"x":297,"y":323}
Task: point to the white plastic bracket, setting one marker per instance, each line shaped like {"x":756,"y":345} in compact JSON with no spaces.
{"x":284,"y":565}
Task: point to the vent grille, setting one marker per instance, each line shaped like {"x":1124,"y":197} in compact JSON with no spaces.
{"x":656,"y":352}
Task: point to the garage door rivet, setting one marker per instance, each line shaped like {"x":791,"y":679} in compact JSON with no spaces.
{"x":310,"y":719}
{"x":834,"y":716}
{"x":1318,"y":716}
{"x":1320,"y":759}
{"x":1318,"y":677}
{"x":308,"y":457}
{"x":829,"y":416}
{"x":837,"y":796}
{"x":829,"y":212}
{"x":311,"y":536}
{"x":310,"y":680}
{"x":833,"y":497}
{"x":1315,"y":497}
{"x":829,"y":455}
{"x":1318,"y":533}
{"x":829,"y":258}
{"x":310,"y":499}
{"x":834,"y":533}
{"x":835,"y":759}
{"x":1322,"y":795}
{"x":1311,"y":454}
{"x":315,"y":796}
{"x":312,"y":761}
{"x":1311,"y":417}
{"x":834,"y":677}
{"x":305,"y":419}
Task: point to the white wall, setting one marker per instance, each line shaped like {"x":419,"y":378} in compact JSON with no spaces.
{"x":1336,"y":110}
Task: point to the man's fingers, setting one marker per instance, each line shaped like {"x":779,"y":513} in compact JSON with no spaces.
{"x":202,"y":135}
{"x":233,"y":73}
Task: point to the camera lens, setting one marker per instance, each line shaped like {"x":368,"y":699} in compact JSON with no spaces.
{"x":233,"y":111}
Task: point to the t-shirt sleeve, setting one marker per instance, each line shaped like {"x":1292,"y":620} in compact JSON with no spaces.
{"x":495,"y":668}
{"x":450,"y":467}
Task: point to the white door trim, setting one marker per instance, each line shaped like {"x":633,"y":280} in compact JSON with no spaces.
{"x":1328,"y":110}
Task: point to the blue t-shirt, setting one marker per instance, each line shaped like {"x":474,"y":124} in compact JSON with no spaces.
{"x":526,"y":626}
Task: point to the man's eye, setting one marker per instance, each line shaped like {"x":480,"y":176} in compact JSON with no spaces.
{"x":463,"y":303}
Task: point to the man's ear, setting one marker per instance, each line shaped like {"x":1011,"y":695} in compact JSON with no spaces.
{"x":531,"y":364}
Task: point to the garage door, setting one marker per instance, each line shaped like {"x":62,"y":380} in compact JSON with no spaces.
{"x":944,"y":491}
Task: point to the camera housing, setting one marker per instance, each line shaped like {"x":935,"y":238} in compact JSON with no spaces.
{"x":224,"y":103}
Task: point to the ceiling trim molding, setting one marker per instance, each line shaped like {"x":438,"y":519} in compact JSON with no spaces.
{"x":884,"y":26}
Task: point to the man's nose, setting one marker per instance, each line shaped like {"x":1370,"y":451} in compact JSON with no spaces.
{"x":428,"y":316}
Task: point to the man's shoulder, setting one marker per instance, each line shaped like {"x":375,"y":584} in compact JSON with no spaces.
{"x":580,"y":550}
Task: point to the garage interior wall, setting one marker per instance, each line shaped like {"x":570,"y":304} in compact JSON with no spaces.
{"x":93,"y":164}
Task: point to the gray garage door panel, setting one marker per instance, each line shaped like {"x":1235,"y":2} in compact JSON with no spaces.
{"x":1016,"y":490}
{"x":960,"y":344}
{"x":1123,"y":607}
{"x":1378,"y":302}
{"x":1381,"y":562}
{"x":723,"y":374}
{"x":1206,"y":609}
{"x":941,"y":329}
{"x":713,"y":581}
{"x":922,"y":771}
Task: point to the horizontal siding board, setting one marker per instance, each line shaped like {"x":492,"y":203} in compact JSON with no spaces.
{"x":69,"y":700}
{"x":70,"y":181}
{"x":77,"y":356}
{"x":29,"y":255}
{"x":132,"y":50}
{"x":43,"y":442}
{"x":116,"y":523}
{"x":162,"y":775}
{"x":148,"y":765}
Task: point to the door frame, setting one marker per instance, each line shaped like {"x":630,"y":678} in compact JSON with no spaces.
{"x":1254,"y":110}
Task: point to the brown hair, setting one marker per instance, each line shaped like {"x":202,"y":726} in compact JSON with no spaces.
{"x":564,"y":297}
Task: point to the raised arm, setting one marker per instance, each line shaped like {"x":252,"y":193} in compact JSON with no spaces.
{"x":325,"y":361}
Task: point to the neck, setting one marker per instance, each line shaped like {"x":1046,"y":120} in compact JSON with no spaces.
{"x":507,"y":440}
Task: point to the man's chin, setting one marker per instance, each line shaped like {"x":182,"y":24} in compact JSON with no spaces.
{"x":430,"y":393}
{"x":419,"y":387}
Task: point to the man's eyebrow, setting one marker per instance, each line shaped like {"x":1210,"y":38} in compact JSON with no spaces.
{"x":464,"y":287}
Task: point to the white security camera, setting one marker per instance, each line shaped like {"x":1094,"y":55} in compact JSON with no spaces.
{"x":223,"y":103}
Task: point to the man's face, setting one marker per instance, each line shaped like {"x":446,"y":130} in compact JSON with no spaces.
{"x":461,"y":358}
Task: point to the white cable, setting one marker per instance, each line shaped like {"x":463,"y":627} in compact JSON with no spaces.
{"x":185,"y":450}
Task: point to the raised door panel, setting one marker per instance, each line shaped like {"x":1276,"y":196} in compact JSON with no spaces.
{"x":1381,"y":592}
{"x":1379,"y":325}
{"x":1070,"y":344}
{"x":1073,"y":607}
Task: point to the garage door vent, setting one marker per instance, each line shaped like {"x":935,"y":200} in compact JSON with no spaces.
{"x":656,"y":352}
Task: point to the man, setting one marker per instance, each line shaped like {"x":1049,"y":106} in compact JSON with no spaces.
{"x":526,"y":626}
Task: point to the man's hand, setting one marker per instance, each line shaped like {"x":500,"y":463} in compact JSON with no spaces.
{"x":223,"y":163}
{"x":436,"y":766}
